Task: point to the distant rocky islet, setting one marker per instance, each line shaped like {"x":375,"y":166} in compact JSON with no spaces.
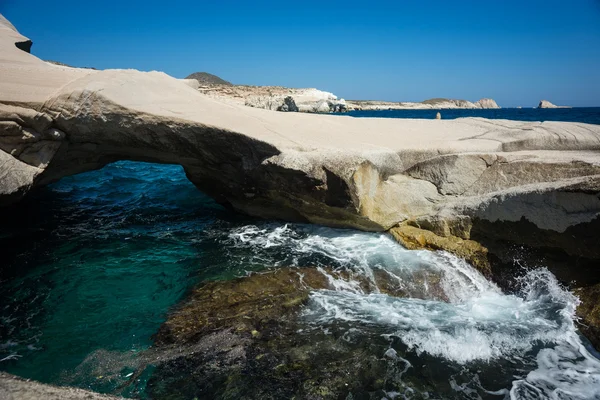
{"x":547,"y":104}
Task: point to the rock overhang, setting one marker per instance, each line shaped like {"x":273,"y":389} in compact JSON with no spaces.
{"x":444,"y":176}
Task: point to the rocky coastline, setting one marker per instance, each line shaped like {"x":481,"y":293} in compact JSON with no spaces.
{"x":274,"y":98}
{"x":431,"y":104}
{"x":278,"y":98}
{"x":473,"y":187}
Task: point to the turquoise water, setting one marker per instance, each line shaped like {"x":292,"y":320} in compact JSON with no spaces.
{"x":96,"y":260}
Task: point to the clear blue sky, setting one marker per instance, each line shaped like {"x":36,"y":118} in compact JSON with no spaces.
{"x":517,"y":52}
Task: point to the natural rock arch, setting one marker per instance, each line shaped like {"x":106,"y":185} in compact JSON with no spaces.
{"x":446,"y":178}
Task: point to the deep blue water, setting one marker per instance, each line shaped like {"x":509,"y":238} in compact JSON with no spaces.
{"x":590,"y":115}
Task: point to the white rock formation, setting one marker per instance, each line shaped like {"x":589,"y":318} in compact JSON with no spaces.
{"x":322,"y":107}
{"x":73,"y":120}
{"x":313,"y":94}
{"x":433,"y":104}
{"x":106,"y":115}
{"x":271,"y":98}
{"x":487,"y":103}
{"x":452,"y":177}
{"x":547,"y":104}
{"x":273,"y":103}
{"x":317,"y":101}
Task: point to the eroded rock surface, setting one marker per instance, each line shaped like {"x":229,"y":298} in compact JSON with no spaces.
{"x":246,"y":338}
{"x":274,"y":98}
{"x":273,"y":103}
{"x":15,"y":388}
{"x":468,"y":178}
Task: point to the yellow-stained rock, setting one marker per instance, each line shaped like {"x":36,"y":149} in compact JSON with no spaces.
{"x":415,"y":238}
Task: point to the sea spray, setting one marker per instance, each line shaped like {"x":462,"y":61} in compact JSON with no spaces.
{"x":535,"y":326}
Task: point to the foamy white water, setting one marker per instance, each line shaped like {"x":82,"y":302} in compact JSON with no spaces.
{"x":533,"y":331}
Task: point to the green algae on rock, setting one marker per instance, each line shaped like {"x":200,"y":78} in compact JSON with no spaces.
{"x":244,"y":304}
{"x":248,"y":304}
{"x":242,"y":338}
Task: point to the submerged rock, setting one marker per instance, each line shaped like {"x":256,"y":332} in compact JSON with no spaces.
{"x":247,"y":338}
{"x":245,"y":304}
{"x":249,"y":304}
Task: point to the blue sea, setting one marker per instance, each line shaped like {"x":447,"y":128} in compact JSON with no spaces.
{"x":588,"y":115}
{"x":92,"y":265}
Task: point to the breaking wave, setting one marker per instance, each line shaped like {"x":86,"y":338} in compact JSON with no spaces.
{"x":533,"y":329}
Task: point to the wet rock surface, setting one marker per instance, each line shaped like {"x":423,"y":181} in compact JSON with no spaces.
{"x":589,"y":312}
{"x":413,"y":237}
{"x":261,"y":337}
{"x":502,"y":250}
{"x":248,"y":338}
{"x":251,"y":303}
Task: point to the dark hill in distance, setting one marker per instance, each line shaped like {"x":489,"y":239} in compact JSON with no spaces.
{"x":204,"y":78}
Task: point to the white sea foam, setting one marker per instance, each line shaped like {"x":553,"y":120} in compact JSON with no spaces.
{"x":478,"y":323}
{"x":485,"y":327}
{"x":566,"y":371}
{"x":360,"y":252}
